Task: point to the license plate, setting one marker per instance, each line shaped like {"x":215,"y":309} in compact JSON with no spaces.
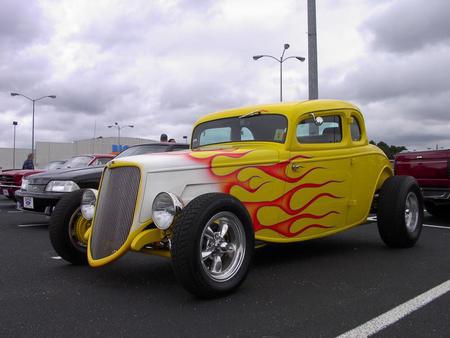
{"x":28,"y":202}
{"x":5,"y":192}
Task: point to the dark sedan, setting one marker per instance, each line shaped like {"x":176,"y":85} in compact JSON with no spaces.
{"x":40,"y":193}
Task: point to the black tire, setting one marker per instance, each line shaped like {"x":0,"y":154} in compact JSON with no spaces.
{"x":60,"y":229}
{"x":396,"y":229}
{"x":189,"y":233}
{"x":437,"y":210}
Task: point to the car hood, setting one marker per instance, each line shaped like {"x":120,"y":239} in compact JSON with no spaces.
{"x":207,"y":157}
{"x":20,"y":172}
{"x":70,"y":174}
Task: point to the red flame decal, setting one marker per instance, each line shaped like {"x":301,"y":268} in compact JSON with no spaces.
{"x":283,"y":202}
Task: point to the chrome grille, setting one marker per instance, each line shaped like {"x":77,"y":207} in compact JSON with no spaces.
{"x":115,"y":210}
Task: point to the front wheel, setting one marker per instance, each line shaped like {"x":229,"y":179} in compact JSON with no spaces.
{"x":212,"y":245}
{"x":400,"y":212}
{"x":67,"y":228}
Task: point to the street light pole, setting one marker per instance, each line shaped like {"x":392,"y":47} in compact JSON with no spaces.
{"x":313,"y":84}
{"x":15,"y":123}
{"x":117,"y":125}
{"x":32,"y":124}
{"x":280,"y":61}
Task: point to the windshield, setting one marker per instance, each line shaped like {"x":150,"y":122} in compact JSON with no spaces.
{"x":143,"y":149}
{"x":250,"y":127}
{"x":54,"y":165}
{"x":78,"y":162}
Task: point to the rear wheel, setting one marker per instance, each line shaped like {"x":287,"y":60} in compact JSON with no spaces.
{"x":67,"y":228}
{"x":400,"y":212}
{"x":212,"y":245}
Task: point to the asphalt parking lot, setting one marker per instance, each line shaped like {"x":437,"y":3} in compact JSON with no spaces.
{"x":321,"y":288}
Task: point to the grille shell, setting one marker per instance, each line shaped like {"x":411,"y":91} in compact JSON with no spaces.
{"x":115,"y":210}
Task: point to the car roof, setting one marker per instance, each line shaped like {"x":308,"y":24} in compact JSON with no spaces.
{"x":286,"y":108}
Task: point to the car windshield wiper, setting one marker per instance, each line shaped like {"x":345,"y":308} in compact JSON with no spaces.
{"x":251,"y":114}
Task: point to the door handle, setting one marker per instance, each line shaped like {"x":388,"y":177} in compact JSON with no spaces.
{"x":295,"y":166}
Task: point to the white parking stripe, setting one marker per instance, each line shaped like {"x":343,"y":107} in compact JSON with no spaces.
{"x":31,"y":225}
{"x":388,"y":318}
{"x":436,"y":226}
{"x":57,"y":257}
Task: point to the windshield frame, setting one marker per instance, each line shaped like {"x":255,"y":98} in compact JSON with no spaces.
{"x":241,"y":117}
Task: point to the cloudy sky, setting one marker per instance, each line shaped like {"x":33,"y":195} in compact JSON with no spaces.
{"x":161,"y":64}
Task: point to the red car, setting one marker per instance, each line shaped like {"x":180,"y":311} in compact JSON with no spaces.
{"x":11,"y":180}
{"x":432,"y":171}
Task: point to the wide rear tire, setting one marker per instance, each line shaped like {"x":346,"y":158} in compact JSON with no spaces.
{"x":212,"y":245}
{"x":400,"y":212}
{"x":66,"y":229}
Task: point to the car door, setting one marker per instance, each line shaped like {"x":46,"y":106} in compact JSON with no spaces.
{"x":320,"y":159}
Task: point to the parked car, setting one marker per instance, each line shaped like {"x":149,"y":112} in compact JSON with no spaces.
{"x":40,"y":193}
{"x":432,"y":171}
{"x":11,"y":180}
{"x":278,"y":173}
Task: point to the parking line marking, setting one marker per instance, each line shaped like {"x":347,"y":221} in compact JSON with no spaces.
{"x":13,"y":211}
{"x":388,"y":318}
{"x":436,"y":226}
{"x":56,"y":257}
{"x":31,"y":225}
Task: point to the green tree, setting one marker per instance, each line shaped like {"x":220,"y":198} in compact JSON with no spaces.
{"x":389,"y":150}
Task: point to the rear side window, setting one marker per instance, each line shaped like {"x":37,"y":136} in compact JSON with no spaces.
{"x":329,"y":132}
{"x":355,"y":130}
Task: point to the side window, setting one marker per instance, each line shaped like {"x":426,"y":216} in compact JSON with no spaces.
{"x":329,"y":132}
{"x":355,"y":130}
{"x":246,"y":134}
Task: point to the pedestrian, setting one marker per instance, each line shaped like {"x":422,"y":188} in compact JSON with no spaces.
{"x":28,"y":163}
{"x":163,"y":138}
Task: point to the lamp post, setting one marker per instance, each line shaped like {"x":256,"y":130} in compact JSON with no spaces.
{"x":15,"y":123}
{"x":32,"y":127}
{"x":119,"y":127}
{"x":280,"y":61}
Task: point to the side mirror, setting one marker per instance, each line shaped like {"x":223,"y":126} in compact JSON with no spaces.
{"x":318,"y":121}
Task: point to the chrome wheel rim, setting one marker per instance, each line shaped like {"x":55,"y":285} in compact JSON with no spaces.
{"x":222,"y":246}
{"x":411,"y":211}
{"x":76,"y":228}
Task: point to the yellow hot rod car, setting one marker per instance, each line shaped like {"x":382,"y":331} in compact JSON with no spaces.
{"x":275,"y":173}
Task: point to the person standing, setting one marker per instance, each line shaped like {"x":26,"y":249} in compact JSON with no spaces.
{"x":28,"y":163}
{"x":163,"y":138}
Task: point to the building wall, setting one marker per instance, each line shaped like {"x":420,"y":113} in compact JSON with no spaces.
{"x":6,"y":157}
{"x":52,"y":151}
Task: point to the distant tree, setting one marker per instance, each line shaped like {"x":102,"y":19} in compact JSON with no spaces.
{"x":389,"y":150}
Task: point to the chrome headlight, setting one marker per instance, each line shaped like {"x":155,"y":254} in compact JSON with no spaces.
{"x":24,"y":185}
{"x":62,"y":186}
{"x":88,"y":203}
{"x":165,"y":206}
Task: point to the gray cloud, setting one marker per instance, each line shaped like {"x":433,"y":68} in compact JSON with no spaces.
{"x":21,"y":22}
{"x":408,"y":25}
{"x":162,"y":65}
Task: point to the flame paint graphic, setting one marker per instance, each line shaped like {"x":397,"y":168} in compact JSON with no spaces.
{"x":233,"y":180}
